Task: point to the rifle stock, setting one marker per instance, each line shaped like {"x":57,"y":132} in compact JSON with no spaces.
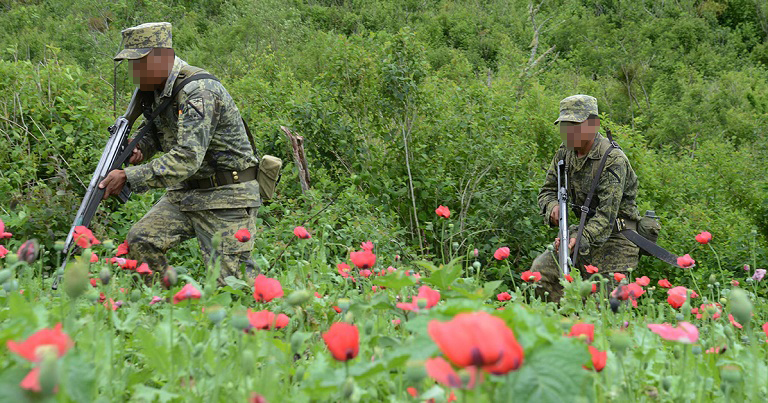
{"x":564,"y":260}
{"x":117,"y":143}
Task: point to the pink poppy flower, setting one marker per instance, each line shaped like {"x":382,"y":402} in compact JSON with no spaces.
{"x":684,"y":333}
{"x":704,"y":238}
{"x":685,"y":261}
{"x":301,"y":233}
{"x":501,"y":253}
{"x":443,"y":211}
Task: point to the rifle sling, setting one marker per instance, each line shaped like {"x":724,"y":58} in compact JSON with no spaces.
{"x":585,"y":207}
{"x":155,"y":113}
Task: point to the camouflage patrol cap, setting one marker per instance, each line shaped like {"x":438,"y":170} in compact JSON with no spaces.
{"x":141,"y":39}
{"x":577,"y":108}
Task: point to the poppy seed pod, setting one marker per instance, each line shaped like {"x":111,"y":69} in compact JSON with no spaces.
{"x":49,"y":371}
{"x":105,"y":275}
{"x":476,"y":265}
{"x":5,"y":274}
{"x":75,"y":280}
{"x":240,"y":321}
{"x":298,"y":297}
{"x":741,"y":306}
{"x":170,"y":278}
{"x":216,"y":314}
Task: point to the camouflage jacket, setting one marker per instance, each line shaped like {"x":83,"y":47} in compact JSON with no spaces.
{"x":614,"y":197}
{"x":199,"y":133}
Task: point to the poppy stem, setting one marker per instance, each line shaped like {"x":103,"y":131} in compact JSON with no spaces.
{"x":722,"y":275}
{"x":173,"y":369}
{"x":509,"y":269}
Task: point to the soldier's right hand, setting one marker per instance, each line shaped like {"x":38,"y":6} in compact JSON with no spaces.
{"x":136,"y":156}
{"x":554,"y":216}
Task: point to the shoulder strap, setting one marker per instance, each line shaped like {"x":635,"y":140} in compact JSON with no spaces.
{"x":155,"y":113}
{"x":588,"y":200}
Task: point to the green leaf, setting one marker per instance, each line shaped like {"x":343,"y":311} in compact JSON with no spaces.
{"x":551,"y":373}
{"x":442,"y":277}
{"x":148,"y":394}
{"x":235,"y":282}
{"x":395,"y":281}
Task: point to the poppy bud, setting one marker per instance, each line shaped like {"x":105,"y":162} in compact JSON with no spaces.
{"x":696,"y":350}
{"x":75,"y":280}
{"x":5,"y":274}
{"x":58,"y":246}
{"x":49,"y":371}
{"x":585,"y":289}
{"x":28,"y":251}
{"x":240,"y":321}
{"x":135,"y":295}
{"x":343,"y":304}
{"x":349,"y":388}
{"x":349,"y":317}
{"x":667,"y":383}
{"x":741,"y":306}
{"x":620,"y":342}
{"x":455,"y":245}
{"x":105,"y":275}
{"x":298,"y":297}
{"x":297,"y":341}
{"x":712,"y":279}
{"x":299,"y":375}
{"x":216,"y":314}
{"x":11,"y":285}
{"x":730,"y":374}
{"x":476,"y":265}
{"x":414,"y":373}
{"x":108,"y":244}
{"x":92,"y":295}
{"x":170,"y":277}
{"x":476,"y":252}
{"x":679,"y":317}
{"x":11,"y":258}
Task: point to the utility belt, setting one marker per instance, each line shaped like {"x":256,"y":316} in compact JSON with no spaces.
{"x":222,"y":178}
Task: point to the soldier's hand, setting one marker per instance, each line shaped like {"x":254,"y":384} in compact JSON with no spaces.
{"x":571,"y":244}
{"x":136,"y":156}
{"x":113,"y":183}
{"x":554,"y":216}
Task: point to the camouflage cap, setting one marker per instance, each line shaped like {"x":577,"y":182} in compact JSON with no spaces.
{"x":577,"y":108}
{"x":141,"y":39}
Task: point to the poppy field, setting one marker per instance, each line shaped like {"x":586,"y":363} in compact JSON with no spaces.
{"x":371,"y":328}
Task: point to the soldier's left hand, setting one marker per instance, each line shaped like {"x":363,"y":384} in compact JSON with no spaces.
{"x":113,"y":183}
{"x":571,"y":244}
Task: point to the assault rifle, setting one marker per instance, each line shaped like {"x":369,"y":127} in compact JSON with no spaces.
{"x":564,"y":261}
{"x":114,"y":155}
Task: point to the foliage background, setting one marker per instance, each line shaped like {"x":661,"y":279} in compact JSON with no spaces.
{"x":683,"y":86}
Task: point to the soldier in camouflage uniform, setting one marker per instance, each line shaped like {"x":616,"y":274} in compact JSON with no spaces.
{"x":583,"y":148}
{"x":206,"y":166}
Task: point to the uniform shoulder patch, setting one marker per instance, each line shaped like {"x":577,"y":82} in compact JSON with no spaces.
{"x":194,"y":109}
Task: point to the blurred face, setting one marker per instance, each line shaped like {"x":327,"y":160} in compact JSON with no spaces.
{"x":576,"y":135}
{"x":151,"y":71}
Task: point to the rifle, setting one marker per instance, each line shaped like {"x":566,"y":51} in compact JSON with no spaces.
{"x":113,"y":157}
{"x":564,"y":260}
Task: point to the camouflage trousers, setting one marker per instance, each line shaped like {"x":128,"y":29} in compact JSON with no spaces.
{"x":616,"y":255}
{"x":165,"y":226}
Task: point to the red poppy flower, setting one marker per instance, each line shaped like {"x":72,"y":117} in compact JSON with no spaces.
{"x":703,"y":238}
{"x":441,"y":370}
{"x":3,"y":251}
{"x":716,"y":350}
{"x":733,"y":322}
{"x":337,"y":309}
{"x":94,"y":282}
{"x":155,"y":300}
{"x":112,"y":304}
{"x":4,"y":234}
{"x":676,"y":300}
{"x":685,"y":261}
{"x":318,"y":295}
{"x":243,"y":235}
{"x":664,"y":283}
{"x":685,"y":333}
{"x":343,"y":341}
{"x":123,"y":249}
{"x":187,"y":292}
{"x":102,"y":297}
{"x":618,"y":277}
{"x":412,"y":391}
{"x":504,"y":296}
{"x":531,"y":276}
{"x":765,"y":330}
{"x":628,"y":291}
{"x":266,"y":320}
{"x":501,"y":253}
{"x":84,"y":237}
{"x":365,"y":273}
{"x":585,"y":329}
{"x":396,"y":322}
{"x":94,"y":258}
{"x":343,"y":269}
{"x":431,"y":298}
{"x":30,"y":348}
{"x":301,"y":232}
{"x":477,"y":339}
{"x":266,"y":289}
{"x":643,"y":281}
{"x":368,"y":245}
{"x":591,"y":269}
{"x":598,"y":358}
{"x":127,"y":264}
{"x":594,"y":288}
{"x":734,"y":283}
{"x":711,"y":310}
{"x":144,"y":269}
{"x":364,"y":259}
{"x":443,"y":211}
{"x":569,"y":278}
{"x":682,"y":291}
